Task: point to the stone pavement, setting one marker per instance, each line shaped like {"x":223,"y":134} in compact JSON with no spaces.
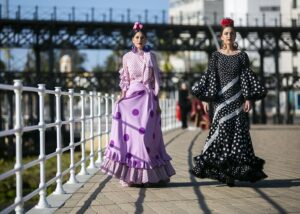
{"x":279,"y":193}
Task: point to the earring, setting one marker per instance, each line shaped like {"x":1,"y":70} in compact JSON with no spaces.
{"x":147,"y":48}
{"x":133,"y":49}
{"x":235,"y":45}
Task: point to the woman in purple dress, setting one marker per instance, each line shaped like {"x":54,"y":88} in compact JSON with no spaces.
{"x":136,"y":153}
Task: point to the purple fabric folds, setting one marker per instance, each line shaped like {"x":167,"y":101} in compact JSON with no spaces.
{"x":136,"y":151}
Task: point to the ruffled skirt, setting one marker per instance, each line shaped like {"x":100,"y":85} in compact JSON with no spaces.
{"x":136,"y":153}
{"x":230,"y":153}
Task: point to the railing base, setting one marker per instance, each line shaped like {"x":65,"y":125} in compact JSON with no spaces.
{"x":56,"y":201}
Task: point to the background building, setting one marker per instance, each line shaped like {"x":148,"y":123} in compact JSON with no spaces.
{"x":193,"y":12}
{"x":253,"y":12}
{"x":290,"y":61}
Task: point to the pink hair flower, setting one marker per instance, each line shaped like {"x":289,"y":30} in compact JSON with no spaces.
{"x":137,"y":26}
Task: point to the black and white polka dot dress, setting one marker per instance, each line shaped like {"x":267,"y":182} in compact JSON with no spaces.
{"x":228,"y":150}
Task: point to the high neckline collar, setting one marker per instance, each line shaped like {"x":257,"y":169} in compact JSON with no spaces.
{"x":139,"y":52}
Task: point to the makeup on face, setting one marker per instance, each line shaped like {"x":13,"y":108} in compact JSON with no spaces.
{"x":139,"y":40}
{"x":228,"y":35}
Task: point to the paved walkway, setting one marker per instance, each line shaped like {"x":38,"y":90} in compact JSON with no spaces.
{"x":279,"y":193}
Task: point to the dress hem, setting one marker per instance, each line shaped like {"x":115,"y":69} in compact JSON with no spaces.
{"x":133,"y":175}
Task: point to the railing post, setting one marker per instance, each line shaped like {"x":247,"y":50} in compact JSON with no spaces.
{"x":43,"y":193}
{"x":83,"y":170}
{"x":18,"y":13}
{"x":169,"y":114}
{"x":106,"y":120}
{"x":59,"y":188}
{"x":92,"y":161}
{"x":172,"y":114}
{"x":112,"y":97}
{"x":99,"y":116}
{"x":146,"y":16}
{"x":128,"y":15}
{"x":18,"y":134}
{"x":72,"y":179}
{"x":110,"y":14}
{"x":73,"y":14}
{"x":36,"y":15}
{"x":54,"y":13}
{"x":163,"y":16}
{"x":162,"y":117}
{"x":93,"y":14}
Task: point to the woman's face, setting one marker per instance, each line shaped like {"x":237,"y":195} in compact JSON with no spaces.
{"x":139,"y":40}
{"x":228,"y":36}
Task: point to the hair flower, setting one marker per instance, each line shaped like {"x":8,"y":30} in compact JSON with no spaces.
{"x":227,"y":22}
{"x":137,"y":26}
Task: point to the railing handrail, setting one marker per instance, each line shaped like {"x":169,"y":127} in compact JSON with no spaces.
{"x":95,"y":117}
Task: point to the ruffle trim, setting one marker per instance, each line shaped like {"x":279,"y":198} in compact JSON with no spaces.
{"x":251,"y":172}
{"x":206,"y":88}
{"x":124,"y":79}
{"x":136,"y":162}
{"x":252,"y":88}
{"x":132,"y":175}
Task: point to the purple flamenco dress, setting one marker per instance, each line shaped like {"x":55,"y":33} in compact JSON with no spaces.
{"x":136,"y":153}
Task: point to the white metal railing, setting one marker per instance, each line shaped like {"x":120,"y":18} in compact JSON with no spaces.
{"x":95,"y":123}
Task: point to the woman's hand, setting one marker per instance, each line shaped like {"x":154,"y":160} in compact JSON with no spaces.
{"x":247,"y":106}
{"x":205,"y":107}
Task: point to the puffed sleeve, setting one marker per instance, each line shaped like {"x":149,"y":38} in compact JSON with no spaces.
{"x":252,"y":88}
{"x":206,"y":89}
{"x":157,"y":74}
{"x":124,"y":76}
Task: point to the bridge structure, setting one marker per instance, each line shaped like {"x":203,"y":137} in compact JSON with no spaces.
{"x":46,"y":30}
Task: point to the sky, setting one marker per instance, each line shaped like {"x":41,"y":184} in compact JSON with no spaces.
{"x":94,"y":57}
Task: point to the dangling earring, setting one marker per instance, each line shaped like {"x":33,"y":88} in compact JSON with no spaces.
{"x":223,"y":46}
{"x":146,"y":48}
{"x":235,"y":45}
{"x":133,"y":49}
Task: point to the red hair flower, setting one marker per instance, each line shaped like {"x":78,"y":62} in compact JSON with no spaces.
{"x":137,"y":26}
{"x":227,"y":22}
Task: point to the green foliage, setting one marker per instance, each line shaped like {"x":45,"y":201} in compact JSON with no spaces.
{"x":31,"y":178}
{"x":2,"y":65}
{"x":199,"y":67}
{"x":112,"y":63}
{"x":77,"y":59}
{"x":167,"y":66}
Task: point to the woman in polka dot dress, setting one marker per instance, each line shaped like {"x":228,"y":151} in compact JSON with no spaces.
{"x":228,"y":153}
{"x":136,"y":153}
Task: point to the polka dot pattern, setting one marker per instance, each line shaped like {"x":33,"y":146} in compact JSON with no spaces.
{"x":126,"y":137}
{"x":118,"y":115}
{"x":135,"y":112}
{"x":230,"y":153}
{"x":142,"y":130}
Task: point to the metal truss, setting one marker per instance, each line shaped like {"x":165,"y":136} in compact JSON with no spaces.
{"x":103,"y":35}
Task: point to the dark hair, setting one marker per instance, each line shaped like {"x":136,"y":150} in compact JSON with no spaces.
{"x":133,"y":32}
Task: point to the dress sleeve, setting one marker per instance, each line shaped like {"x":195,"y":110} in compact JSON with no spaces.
{"x":157,"y":74}
{"x":124,"y":76}
{"x":252,"y":88}
{"x":206,"y":89}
